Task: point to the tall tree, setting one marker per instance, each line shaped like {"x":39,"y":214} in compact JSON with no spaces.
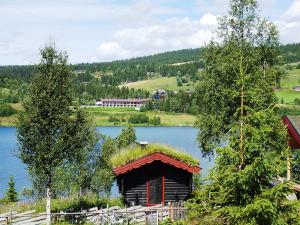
{"x":237,"y":118}
{"x":11,"y":194}
{"x":51,"y":131}
{"x":126,"y":137}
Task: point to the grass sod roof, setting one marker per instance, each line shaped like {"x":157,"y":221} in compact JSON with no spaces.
{"x":136,"y":152}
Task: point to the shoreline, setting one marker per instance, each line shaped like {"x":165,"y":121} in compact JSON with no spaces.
{"x":187,"y":126}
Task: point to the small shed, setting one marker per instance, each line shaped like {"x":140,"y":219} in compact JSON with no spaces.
{"x":154,"y":174}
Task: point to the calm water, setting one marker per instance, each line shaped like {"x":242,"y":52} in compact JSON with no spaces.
{"x":182,"y":138}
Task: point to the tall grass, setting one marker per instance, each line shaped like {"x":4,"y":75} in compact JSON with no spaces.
{"x":70,"y":204}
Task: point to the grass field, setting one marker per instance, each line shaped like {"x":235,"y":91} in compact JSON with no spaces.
{"x":287,"y":93}
{"x":101,"y":115}
{"x":166,"y":83}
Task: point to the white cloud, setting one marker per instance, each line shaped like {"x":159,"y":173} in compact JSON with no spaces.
{"x":209,"y":20}
{"x":96,"y":30}
{"x":289,"y":23}
{"x":172,"y":34}
{"x":112,"y":50}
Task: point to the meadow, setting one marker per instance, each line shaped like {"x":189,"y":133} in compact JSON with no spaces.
{"x":166,"y":83}
{"x":101,"y":116}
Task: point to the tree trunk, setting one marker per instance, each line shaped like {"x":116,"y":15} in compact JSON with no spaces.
{"x":288,"y":175}
{"x":242,"y":115}
{"x":48,"y":206}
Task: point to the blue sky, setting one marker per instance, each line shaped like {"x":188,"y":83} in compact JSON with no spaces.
{"x":104,"y":30}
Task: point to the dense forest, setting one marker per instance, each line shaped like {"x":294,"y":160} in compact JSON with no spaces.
{"x":140,"y":68}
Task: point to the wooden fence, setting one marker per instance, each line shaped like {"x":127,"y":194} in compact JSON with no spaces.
{"x":109,"y":215}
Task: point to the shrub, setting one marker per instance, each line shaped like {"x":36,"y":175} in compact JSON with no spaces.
{"x":155,"y":121}
{"x":297,"y":101}
{"x":138,"y":119}
{"x":6,"y":109}
{"x":113,"y":119}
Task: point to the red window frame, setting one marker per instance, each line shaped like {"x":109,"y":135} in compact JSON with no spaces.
{"x":162,"y":192}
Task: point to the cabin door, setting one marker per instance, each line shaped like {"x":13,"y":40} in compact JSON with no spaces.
{"x":155,"y":191}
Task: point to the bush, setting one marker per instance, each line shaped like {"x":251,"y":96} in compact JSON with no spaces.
{"x":297,"y":101}
{"x":155,"y":121}
{"x":6,"y":109}
{"x":113,"y":119}
{"x":138,"y":119}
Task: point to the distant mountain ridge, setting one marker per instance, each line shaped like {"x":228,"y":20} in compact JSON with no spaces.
{"x":139,"y":68}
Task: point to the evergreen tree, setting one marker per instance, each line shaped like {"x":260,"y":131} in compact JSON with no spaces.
{"x":51,"y":131}
{"x":237,"y":118}
{"x":11,"y":194}
{"x":126,"y":137}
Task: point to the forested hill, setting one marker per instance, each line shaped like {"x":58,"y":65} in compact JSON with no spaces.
{"x":141,"y":68}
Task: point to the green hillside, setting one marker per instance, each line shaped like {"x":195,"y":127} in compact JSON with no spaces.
{"x":166,"y":83}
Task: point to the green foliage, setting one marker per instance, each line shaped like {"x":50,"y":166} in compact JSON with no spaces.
{"x":136,"y":151}
{"x":297,"y":101}
{"x":155,"y":121}
{"x":114,"y":119}
{"x":69,"y":204}
{"x":6,"y":109}
{"x":11,"y":195}
{"x":126,"y":137}
{"x":170,"y":222}
{"x":51,"y":131}
{"x":138,"y":119}
{"x":104,"y":177}
{"x":179,"y":102}
{"x":237,"y":107}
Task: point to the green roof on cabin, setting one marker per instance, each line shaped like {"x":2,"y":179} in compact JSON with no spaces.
{"x":136,"y":151}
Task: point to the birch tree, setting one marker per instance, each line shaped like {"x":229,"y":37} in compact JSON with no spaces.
{"x":51,"y":131}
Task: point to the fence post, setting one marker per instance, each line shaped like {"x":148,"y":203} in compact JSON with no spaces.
{"x":133,"y":212}
{"x":171,"y":211}
{"x":127,"y":222}
{"x":157,"y":217}
{"x":6,"y":220}
{"x":108,"y":219}
{"x":97,"y":216}
{"x":162,"y":212}
{"x":11,"y":215}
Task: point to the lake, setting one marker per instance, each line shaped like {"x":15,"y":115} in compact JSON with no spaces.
{"x":182,"y":138}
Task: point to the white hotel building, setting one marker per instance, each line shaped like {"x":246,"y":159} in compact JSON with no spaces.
{"x":136,"y":103}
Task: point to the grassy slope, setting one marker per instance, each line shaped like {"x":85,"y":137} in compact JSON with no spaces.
{"x":287,"y":93}
{"x":167,"y":83}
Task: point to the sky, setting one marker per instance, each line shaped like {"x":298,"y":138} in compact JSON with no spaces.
{"x":106,"y":30}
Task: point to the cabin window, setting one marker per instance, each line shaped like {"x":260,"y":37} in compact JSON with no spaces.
{"x":155,"y":191}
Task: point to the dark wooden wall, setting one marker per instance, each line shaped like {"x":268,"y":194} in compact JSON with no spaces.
{"x":177,"y":183}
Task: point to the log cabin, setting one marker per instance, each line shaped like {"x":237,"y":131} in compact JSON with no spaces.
{"x":154,"y":174}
